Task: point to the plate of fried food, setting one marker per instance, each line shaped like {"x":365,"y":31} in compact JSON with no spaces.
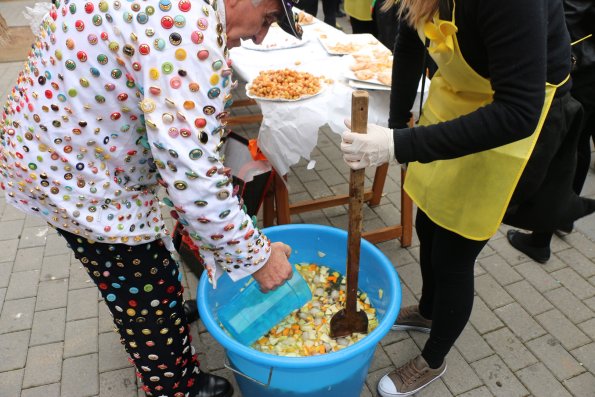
{"x":305,"y":19}
{"x":346,"y":44}
{"x":374,"y":67}
{"x":285,"y":85}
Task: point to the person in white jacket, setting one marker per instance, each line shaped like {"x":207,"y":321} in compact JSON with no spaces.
{"x":116,"y":99}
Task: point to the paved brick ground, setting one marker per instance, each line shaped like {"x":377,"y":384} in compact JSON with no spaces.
{"x":532,"y":330}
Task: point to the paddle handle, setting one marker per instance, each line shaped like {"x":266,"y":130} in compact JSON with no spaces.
{"x":359,"y":124}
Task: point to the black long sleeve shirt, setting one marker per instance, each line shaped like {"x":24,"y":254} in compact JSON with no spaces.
{"x":517,"y":45}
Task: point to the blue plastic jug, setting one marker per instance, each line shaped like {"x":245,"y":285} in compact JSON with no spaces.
{"x":252,"y":313}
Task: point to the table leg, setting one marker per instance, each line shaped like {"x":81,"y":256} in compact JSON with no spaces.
{"x":378,"y":184}
{"x":281,"y":200}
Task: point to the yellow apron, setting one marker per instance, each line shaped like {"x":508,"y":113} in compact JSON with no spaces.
{"x":359,"y":9}
{"x":467,"y":195}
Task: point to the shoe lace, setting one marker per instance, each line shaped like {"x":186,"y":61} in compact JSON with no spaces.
{"x":408,"y":373}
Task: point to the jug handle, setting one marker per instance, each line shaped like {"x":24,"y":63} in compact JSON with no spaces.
{"x":227,"y":365}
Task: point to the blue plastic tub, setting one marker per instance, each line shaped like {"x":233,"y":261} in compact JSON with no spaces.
{"x":340,"y":374}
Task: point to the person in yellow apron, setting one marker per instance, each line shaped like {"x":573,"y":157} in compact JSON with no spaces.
{"x":497,"y":113}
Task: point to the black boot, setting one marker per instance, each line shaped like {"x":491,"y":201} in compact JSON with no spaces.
{"x":522,"y":242}
{"x":209,"y":385}
{"x":191,"y":310}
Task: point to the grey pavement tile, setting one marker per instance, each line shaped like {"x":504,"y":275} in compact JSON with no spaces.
{"x":538,"y":277}
{"x":52,"y":294}
{"x":519,"y":322}
{"x":562,"y":329}
{"x":553,"y":355}
{"x":8,"y":250}
{"x":13,"y":350}
{"x":11,"y":229}
{"x":5,"y":271}
{"x":528,"y":297}
{"x":331,"y":177}
{"x":11,"y":213}
{"x":589,"y":302}
{"x":117,"y":383}
{"x":55,"y":267}
{"x":52,"y":390}
{"x":48,"y":327}
{"x":479,"y":392}
{"x":410,"y":275}
{"x":56,"y":245}
{"x":106,"y":321}
{"x":374,"y":377}
{"x":33,"y":236}
{"x":472,"y":346}
{"x":44,"y":365}
{"x":586,"y":356}
{"x":81,"y":337}
{"x":569,"y":304}
{"x":213,"y":350}
{"x":581,"y":385}
{"x":2,"y":295}
{"x":396,"y":254}
{"x":17,"y":315}
{"x":79,"y":278}
{"x":10,"y":383}
{"x":28,"y":259}
{"x":401,"y":352}
{"x":498,"y":378}
{"x":500,"y":270}
{"x":577,"y":261}
{"x":23,"y":285}
{"x":506,"y":251}
{"x":510,"y":349}
{"x":82,"y":303}
{"x":459,"y":377}
{"x":540,"y":382}
{"x":318,"y":189}
{"x":33,"y":220}
{"x":582,"y":243}
{"x":80,"y":377}
{"x":482,"y":318}
{"x":112,"y":354}
{"x":575,"y":283}
{"x":380,"y":360}
{"x":588,"y":327}
{"x":491,"y":292}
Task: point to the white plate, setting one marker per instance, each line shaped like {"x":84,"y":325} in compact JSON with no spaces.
{"x":367,"y":86}
{"x":350,"y":74}
{"x":314,"y":20}
{"x":322,"y":88}
{"x":358,"y":43}
{"x":275,"y":42}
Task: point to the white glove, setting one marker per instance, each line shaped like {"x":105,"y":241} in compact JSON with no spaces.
{"x":368,"y":150}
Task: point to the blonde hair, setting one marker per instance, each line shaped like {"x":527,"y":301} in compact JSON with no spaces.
{"x":413,"y":11}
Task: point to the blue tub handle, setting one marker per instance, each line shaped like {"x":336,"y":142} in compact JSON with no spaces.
{"x":227,"y":365}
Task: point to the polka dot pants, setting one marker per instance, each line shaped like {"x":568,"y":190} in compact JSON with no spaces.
{"x":141,"y":287}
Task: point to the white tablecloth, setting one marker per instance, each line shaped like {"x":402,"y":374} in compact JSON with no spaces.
{"x":289,"y":130}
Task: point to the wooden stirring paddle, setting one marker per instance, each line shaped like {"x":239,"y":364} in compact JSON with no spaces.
{"x":349,"y":320}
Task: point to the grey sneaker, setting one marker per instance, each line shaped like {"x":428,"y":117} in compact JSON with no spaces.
{"x":409,"y":379}
{"x":410,"y":319}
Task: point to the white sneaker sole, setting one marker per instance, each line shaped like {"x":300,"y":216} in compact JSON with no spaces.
{"x":409,"y":393}
{"x":399,"y":327}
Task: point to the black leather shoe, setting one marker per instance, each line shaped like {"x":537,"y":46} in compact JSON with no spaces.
{"x":209,"y":385}
{"x":521,"y":241}
{"x":191,"y":310}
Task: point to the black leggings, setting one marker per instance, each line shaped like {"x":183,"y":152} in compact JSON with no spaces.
{"x":141,"y":287}
{"x":446,"y":261}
